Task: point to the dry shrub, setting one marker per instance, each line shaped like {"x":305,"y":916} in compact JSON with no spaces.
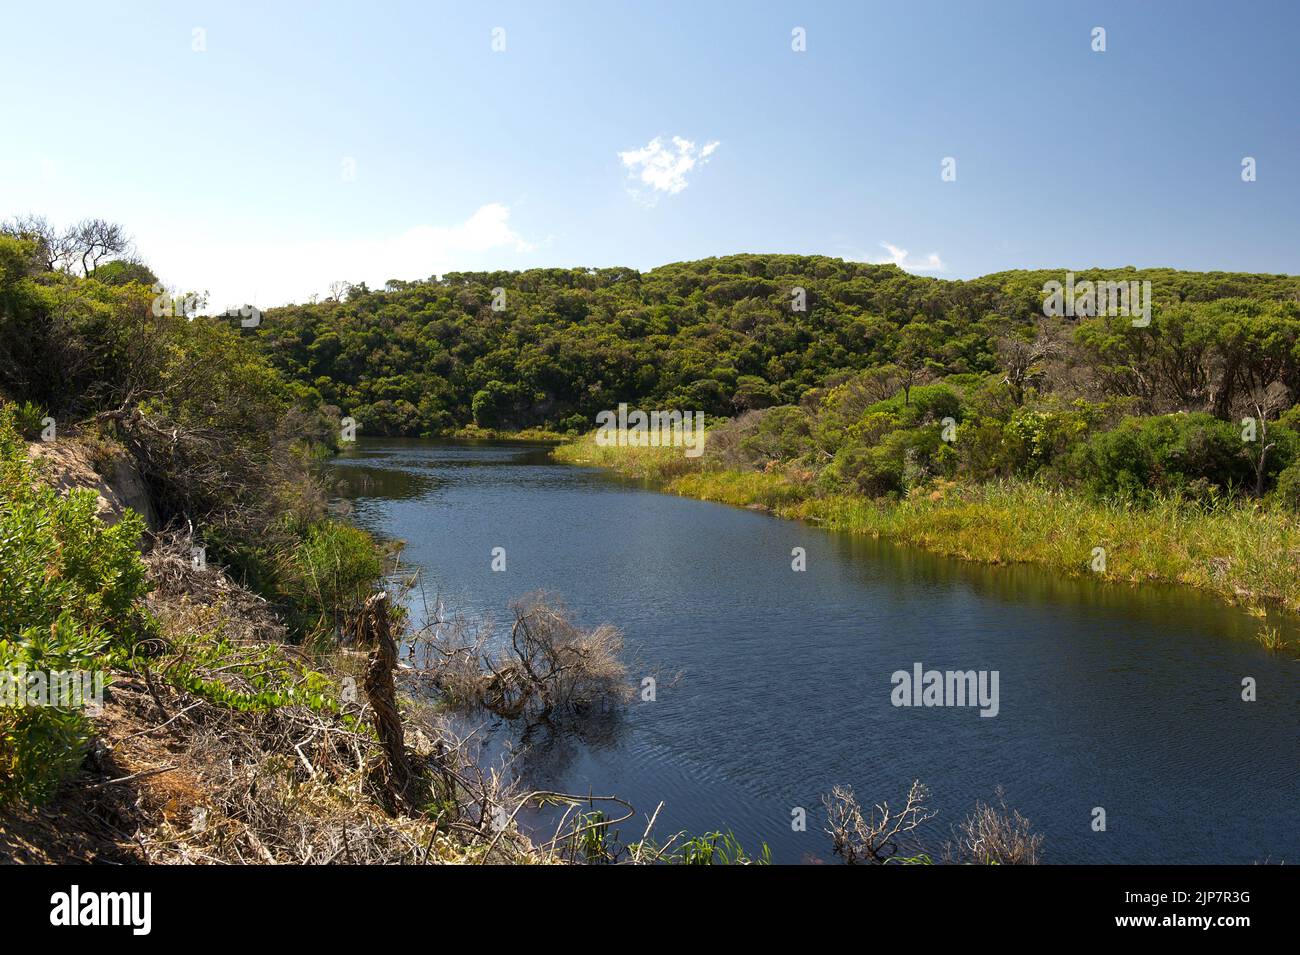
{"x":724,"y":446}
{"x":988,"y":836}
{"x":996,"y":836}
{"x":547,"y":667}
{"x":876,"y":838}
{"x":286,"y":783}
{"x":182,"y":592}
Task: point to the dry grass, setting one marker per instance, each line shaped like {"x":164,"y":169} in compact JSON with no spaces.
{"x":220,"y":746}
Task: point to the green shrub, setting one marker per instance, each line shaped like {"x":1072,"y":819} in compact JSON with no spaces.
{"x":495,"y":404}
{"x":1142,"y":457}
{"x":574,"y":424}
{"x":69,"y":601}
{"x":29,"y":420}
{"x":1040,"y":438}
{"x":41,"y":746}
{"x":781,"y":434}
{"x":924,"y":403}
{"x":325,"y":576}
{"x":1288,"y":487}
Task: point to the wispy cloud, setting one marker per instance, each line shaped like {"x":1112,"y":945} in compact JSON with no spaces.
{"x":662,"y":168}
{"x":903,"y":259}
{"x":272,"y":274}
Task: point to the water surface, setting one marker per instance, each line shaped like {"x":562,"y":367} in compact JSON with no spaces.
{"x":1116,"y":697}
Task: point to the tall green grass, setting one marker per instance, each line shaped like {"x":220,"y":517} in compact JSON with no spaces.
{"x":652,"y":464}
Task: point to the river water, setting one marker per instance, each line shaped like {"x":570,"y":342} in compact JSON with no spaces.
{"x":1119,"y":698}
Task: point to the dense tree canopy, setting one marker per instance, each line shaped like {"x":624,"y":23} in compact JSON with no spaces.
{"x":728,"y":335}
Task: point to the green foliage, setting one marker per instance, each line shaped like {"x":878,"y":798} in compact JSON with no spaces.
{"x":781,"y":434}
{"x":718,"y":335}
{"x":719,"y":848}
{"x":593,"y":842}
{"x":325,"y":576}
{"x":923,"y":403}
{"x":222,"y":440}
{"x":27,"y":419}
{"x":252,"y":679}
{"x":55,"y":554}
{"x":125,"y":272}
{"x":40,"y":745}
{"x":1039,"y":438}
{"x":1288,"y":487}
{"x":1140,"y":457}
{"x":69,"y":593}
{"x":497,"y":404}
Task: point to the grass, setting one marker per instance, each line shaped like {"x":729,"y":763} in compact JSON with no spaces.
{"x":1245,"y":553}
{"x":651,"y":464}
{"x":1270,"y":638}
{"x":472,"y":432}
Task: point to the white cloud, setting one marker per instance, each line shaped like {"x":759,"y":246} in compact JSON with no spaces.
{"x":663,"y":168}
{"x":902,"y":258}
{"x":266,"y":274}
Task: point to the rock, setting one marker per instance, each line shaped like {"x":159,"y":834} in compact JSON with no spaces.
{"x":69,"y":464}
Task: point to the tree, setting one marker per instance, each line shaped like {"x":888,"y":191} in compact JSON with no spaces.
{"x":55,"y":247}
{"x":916,"y":343}
{"x":1023,"y":360}
{"x":125,"y":271}
{"x":81,"y":247}
{"x":1263,"y":402}
{"x":96,"y":240}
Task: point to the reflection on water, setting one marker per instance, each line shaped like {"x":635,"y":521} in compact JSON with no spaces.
{"x":1121,"y":697}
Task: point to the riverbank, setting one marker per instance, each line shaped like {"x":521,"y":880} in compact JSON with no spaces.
{"x":472,"y":432}
{"x":209,"y":735}
{"x":1246,"y":555}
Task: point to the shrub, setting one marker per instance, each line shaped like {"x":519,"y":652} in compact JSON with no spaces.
{"x":574,"y":424}
{"x":41,"y":746}
{"x":1288,"y":487}
{"x":548,"y":667}
{"x":28,"y":420}
{"x":1040,"y":438}
{"x":1142,"y":457}
{"x":780,"y":434}
{"x":69,"y":601}
{"x":325,"y":576}
{"x":494,"y":404}
{"x":924,"y":403}
{"x":996,"y":835}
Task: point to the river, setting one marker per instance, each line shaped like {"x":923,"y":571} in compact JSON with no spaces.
{"x":1120,"y":698}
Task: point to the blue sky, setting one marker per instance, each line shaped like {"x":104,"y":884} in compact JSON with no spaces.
{"x":367,"y":141}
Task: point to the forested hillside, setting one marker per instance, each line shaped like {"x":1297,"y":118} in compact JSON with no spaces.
{"x":732,"y":334}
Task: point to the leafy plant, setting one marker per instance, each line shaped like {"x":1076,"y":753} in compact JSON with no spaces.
{"x":69,"y":601}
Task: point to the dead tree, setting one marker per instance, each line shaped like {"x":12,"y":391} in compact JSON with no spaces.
{"x":996,"y":836}
{"x":393,"y":777}
{"x":1262,"y":403}
{"x":875,"y":838}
